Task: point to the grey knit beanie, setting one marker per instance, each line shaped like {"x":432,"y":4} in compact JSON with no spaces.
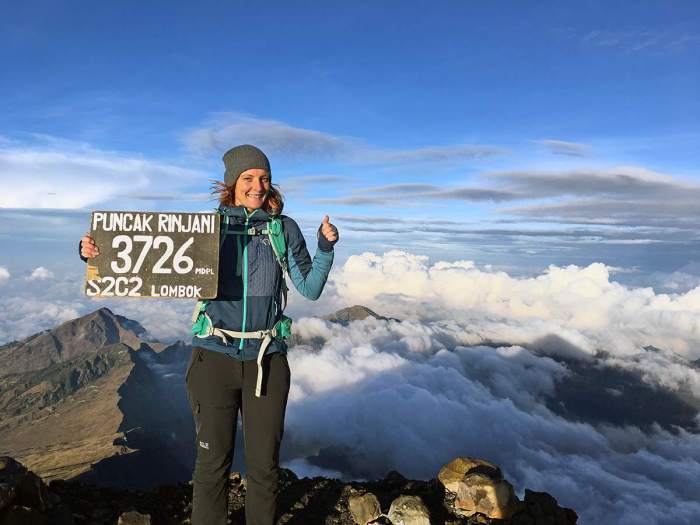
{"x":241,"y":158}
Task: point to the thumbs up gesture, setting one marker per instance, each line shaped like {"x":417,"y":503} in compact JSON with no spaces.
{"x":327,"y":232}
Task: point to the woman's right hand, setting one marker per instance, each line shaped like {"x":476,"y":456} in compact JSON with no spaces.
{"x":88,"y":248}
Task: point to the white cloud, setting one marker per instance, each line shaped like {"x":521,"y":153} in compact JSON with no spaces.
{"x":586,"y":311}
{"x":406,"y":396}
{"x":40,"y":273}
{"x":66,"y":175}
{"x":4,"y":274}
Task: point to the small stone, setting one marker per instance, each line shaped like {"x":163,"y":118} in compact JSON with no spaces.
{"x":364,"y":508}
{"x":409,"y":510}
{"x":134,"y":518}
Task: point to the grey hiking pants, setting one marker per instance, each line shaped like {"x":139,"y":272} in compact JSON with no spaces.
{"x":218,"y":386}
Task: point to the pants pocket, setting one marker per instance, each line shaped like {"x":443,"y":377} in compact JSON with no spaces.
{"x":197,"y":356}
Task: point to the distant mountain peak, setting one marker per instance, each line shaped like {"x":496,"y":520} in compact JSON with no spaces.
{"x":83,"y":335}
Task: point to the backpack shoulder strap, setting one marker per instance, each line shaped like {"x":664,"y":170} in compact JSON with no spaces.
{"x":223,"y":231}
{"x":275,"y":232}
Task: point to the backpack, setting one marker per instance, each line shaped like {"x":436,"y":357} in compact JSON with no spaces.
{"x":202,"y":325}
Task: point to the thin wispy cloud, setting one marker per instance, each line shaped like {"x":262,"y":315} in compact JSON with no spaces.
{"x":623,"y":206}
{"x":477,"y":194}
{"x":294,"y":143}
{"x":225,"y":130}
{"x":456,"y":153}
{"x":419,"y":193}
{"x":170,"y":197}
{"x":367,"y":219}
{"x":18,"y":223}
{"x":682,"y":214}
{"x":4,"y":274}
{"x":311,"y":184}
{"x":457,"y":234}
{"x":354,"y":201}
{"x":643,"y":40}
{"x":626,"y":196}
{"x":627,"y":181}
{"x":636,"y":185}
{"x":316,"y":179}
{"x":409,"y":187}
{"x":562,"y":147}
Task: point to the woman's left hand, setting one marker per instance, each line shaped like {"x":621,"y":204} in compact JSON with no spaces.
{"x":329,"y":231}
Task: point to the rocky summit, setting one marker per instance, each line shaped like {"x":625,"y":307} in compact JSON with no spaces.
{"x":393,"y":500}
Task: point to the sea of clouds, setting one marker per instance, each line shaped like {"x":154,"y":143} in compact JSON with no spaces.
{"x":467,"y":371}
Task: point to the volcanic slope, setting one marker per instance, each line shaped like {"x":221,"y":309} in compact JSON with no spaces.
{"x":90,"y":399}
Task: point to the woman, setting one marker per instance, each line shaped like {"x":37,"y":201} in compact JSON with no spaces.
{"x":223,"y":373}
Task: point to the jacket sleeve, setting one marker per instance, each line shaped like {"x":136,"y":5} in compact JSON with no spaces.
{"x":80,"y":245}
{"x":309,"y":277}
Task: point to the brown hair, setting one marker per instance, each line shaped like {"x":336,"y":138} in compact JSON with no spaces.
{"x":274,"y":202}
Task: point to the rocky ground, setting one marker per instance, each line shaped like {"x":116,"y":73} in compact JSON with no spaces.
{"x":26,"y":499}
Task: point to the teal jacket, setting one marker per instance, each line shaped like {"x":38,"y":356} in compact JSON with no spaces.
{"x":250,"y":281}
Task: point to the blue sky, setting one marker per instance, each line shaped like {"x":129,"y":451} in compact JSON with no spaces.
{"x":516,"y":134}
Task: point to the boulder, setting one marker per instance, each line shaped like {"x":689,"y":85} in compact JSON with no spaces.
{"x":480,"y":493}
{"x":409,"y":510}
{"x":478,"y":486}
{"x":452,"y":474}
{"x":364,"y":508}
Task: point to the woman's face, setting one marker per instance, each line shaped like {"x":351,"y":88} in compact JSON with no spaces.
{"x":251,"y":188}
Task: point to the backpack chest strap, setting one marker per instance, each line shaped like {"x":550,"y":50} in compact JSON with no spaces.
{"x":250,"y":231}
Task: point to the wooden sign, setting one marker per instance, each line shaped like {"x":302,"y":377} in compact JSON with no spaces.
{"x":147,"y":254}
